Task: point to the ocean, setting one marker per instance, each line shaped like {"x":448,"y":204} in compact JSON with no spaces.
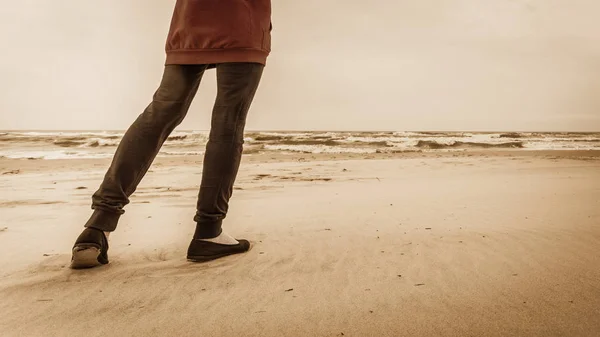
{"x":102,"y":144}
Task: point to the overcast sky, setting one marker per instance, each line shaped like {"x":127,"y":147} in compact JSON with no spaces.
{"x":335,"y":65}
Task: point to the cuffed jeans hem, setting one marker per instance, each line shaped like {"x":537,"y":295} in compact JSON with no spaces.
{"x":208,"y":230}
{"x":104,"y":221}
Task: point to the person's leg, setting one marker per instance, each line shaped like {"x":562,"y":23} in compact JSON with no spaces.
{"x":237,"y":83}
{"x":134,"y":155}
{"x":142,"y":142}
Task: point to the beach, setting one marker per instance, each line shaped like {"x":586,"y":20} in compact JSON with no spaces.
{"x":495,"y":242}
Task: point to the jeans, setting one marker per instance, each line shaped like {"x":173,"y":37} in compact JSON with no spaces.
{"x":236,"y":85}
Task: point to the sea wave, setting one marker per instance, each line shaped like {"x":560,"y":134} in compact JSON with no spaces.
{"x":318,"y":149}
{"x":429,"y":144}
{"x":511,"y":135}
{"x":101,"y":144}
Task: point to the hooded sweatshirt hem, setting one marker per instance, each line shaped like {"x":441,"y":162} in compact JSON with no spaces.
{"x":216,"y":56}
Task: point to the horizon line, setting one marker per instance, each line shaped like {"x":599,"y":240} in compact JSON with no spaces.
{"x":305,"y":130}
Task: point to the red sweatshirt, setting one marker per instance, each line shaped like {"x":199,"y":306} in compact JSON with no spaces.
{"x":219,"y":31}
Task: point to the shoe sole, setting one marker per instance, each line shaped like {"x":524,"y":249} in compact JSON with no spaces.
{"x":85,"y":257}
{"x":201,"y":258}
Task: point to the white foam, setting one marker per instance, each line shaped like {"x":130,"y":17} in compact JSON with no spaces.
{"x":97,"y":142}
{"x":319,"y":149}
{"x":53,"y":155}
{"x":180,"y":153}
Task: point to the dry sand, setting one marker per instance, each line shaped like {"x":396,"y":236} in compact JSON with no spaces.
{"x":470,"y":244}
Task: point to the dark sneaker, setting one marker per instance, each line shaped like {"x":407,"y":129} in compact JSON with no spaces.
{"x":90,"y":249}
{"x":201,"y":251}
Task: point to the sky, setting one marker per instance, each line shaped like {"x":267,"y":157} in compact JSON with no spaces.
{"x":456,"y":65}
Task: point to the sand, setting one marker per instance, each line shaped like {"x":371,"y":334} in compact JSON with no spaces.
{"x":468,"y":244}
